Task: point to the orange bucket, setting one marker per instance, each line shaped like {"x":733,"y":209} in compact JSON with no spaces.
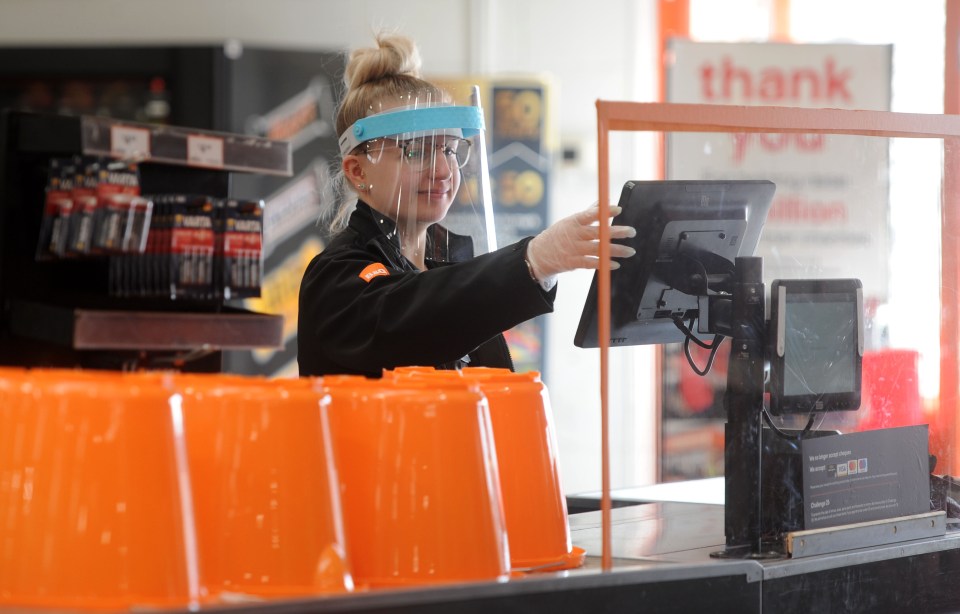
{"x":95,"y":493}
{"x":268,"y":515}
{"x":418,"y":479}
{"x":891,"y":389}
{"x":535,"y":509}
{"x":528,"y":458}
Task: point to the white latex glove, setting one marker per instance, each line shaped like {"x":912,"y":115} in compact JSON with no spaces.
{"x":573,"y":243}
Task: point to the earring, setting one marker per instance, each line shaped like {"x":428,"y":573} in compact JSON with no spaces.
{"x":362,"y":187}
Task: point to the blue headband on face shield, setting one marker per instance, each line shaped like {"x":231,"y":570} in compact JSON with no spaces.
{"x":412,"y":122}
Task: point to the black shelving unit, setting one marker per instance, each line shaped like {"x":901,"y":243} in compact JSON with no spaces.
{"x":59,"y":313}
{"x":276,"y":92}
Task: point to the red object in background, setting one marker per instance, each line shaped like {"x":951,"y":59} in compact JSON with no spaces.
{"x":700,"y":392}
{"x":696,"y":391}
{"x":891,"y":390}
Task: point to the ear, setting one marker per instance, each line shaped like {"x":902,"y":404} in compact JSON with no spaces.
{"x":353,"y":169}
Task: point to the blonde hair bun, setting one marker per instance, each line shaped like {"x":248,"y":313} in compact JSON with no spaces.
{"x":394,"y":55}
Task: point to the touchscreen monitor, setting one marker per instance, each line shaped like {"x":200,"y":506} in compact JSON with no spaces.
{"x":689,"y":234}
{"x":816,"y":345}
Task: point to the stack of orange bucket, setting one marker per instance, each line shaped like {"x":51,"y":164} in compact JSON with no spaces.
{"x":419,"y":484}
{"x":163,"y":491}
{"x":265,"y":489}
{"x":535,"y":509}
{"x":95,"y":494}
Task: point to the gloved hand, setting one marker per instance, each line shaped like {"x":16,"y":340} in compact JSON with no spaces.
{"x":573,"y":243}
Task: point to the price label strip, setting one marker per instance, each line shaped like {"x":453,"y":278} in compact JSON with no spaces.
{"x":129,"y":143}
{"x":205,"y":151}
{"x":184,"y":146}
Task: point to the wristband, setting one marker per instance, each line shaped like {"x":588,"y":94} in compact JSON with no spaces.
{"x":530,"y":270}
{"x":547,"y":284}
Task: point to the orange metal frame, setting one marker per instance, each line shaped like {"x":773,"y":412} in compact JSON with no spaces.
{"x":667,"y":117}
{"x":674,"y":21}
{"x":950,"y":251}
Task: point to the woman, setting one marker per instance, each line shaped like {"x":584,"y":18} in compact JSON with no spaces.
{"x":394,"y":287}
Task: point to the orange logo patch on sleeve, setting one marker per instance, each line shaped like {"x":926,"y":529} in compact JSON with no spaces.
{"x":374,"y":270}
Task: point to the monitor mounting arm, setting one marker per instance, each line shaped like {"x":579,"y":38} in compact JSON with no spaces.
{"x":708,"y":277}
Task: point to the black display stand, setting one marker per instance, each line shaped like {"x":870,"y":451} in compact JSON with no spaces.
{"x":59,"y":313}
{"x":759,"y":521}
{"x":743,"y":401}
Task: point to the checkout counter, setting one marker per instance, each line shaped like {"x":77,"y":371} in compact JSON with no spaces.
{"x":663,"y":537}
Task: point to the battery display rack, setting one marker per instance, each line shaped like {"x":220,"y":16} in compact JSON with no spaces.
{"x":97,"y":288}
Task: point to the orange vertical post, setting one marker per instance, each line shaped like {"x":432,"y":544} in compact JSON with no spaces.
{"x":673,"y":18}
{"x":674,"y":21}
{"x":780,"y":21}
{"x":603,"y":332}
{"x":946,"y":423}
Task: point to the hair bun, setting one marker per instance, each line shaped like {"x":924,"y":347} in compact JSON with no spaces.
{"x":394,"y":55}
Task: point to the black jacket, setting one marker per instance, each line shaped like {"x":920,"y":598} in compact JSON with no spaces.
{"x":401,"y":316}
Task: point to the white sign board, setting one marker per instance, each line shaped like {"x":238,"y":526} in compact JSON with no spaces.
{"x":830,"y":214}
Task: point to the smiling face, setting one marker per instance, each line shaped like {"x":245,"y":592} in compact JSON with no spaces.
{"x":413,"y":182}
{"x":414,"y":175}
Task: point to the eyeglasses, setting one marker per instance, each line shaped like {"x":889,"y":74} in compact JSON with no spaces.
{"x":417,"y":152}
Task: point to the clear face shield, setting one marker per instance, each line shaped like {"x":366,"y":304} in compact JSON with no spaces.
{"x":423,"y":165}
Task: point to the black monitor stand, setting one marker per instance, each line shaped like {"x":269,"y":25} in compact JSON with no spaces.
{"x":743,"y":401}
